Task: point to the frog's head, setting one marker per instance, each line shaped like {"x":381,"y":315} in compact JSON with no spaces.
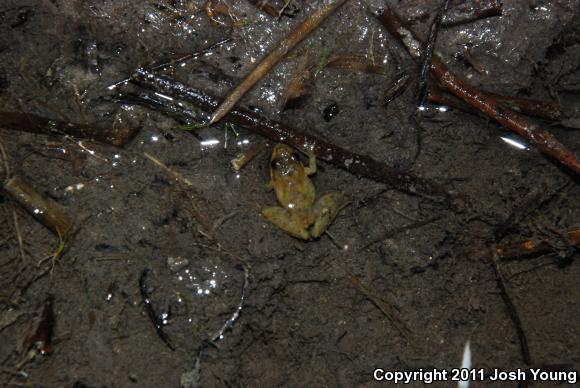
{"x":284,"y":160}
{"x":283,"y":154}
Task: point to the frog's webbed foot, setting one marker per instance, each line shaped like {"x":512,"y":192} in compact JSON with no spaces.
{"x":280,"y":217}
{"x":325,"y":211}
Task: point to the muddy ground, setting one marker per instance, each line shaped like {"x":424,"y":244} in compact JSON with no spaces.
{"x":303,"y":320}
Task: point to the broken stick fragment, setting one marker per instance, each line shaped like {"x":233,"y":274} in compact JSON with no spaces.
{"x":50,"y":213}
{"x":279,"y":52}
{"x":531,"y":247}
{"x":29,"y":122}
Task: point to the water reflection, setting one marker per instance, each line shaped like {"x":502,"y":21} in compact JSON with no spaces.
{"x":193,"y":295}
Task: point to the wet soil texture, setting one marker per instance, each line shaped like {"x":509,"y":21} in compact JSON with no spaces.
{"x":170,"y":276}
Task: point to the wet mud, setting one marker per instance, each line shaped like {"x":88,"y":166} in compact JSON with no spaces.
{"x":172,"y":277}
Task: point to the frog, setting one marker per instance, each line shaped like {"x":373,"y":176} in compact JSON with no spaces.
{"x":299,"y":215}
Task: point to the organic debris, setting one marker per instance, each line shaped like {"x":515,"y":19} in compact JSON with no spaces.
{"x":245,"y":157}
{"x":38,"y":340}
{"x":50,"y":214}
{"x":355,"y":63}
{"x":279,"y":52}
{"x":154,"y":316}
{"x":382,"y":304}
{"x":427,"y":54}
{"x":518,"y":123}
{"x":29,"y":122}
{"x":511,"y":309}
{"x":467,"y":12}
{"x":533,"y":247}
{"x":359,"y":165}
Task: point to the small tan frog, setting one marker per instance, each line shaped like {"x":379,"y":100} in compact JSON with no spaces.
{"x":299,"y":216}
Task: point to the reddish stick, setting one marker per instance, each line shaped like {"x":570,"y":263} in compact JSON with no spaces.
{"x":521,"y":125}
{"x":532,"y":247}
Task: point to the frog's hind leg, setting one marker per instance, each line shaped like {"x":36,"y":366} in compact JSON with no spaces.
{"x":281,"y":218}
{"x":325,"y":211}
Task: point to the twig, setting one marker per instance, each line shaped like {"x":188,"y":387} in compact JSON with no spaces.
{"x":393,"y":232}
{"x":18,"y":234}
{"x":244,"y":158}
{"x":385,"y":307}
{"x":521,"y":125}
{"x":282,"y":48}
{"x":179,"y":112}
{"x":174,"y":174}
{"x":193,"y":208}
{"x":51,"y":214}
{"x":533,"y":247}
{"x":359,"y":165}
{"x":511,"y":310}
{"x":5,"y":164}
{"x":175,"y":61}
{"x":428,"y":54}
{"x":541,"y":109}
{"x":29,"y":122}
{"x":397,"y":87}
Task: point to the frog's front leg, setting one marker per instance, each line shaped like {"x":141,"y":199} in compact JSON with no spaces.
{"x":311,"y":169}
{"x":282,"y":219}
{"x":325,"y":211}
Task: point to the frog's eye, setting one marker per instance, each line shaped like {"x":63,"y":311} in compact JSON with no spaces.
{"x":274,"y":164}
{"x":295,"y":156}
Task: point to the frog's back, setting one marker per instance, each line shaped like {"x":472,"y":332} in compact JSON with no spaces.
{"x":294,"y":192}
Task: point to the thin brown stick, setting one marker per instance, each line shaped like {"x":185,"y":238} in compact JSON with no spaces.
{"x":534,"y":246}
{"x":357,"y":164}
{"x":383,"y":305}
{"x":428,"y":54}
{"x":511,"y":310}
{"x":281,"y":49}
{"x":540,"y":109}
{"x":18,"y":235}
{"x":437,"y":96}
{"x":189,"y":204}
{"x":521,"y":125}
{"x":5,"y":166}
{"x":397,"y":87}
